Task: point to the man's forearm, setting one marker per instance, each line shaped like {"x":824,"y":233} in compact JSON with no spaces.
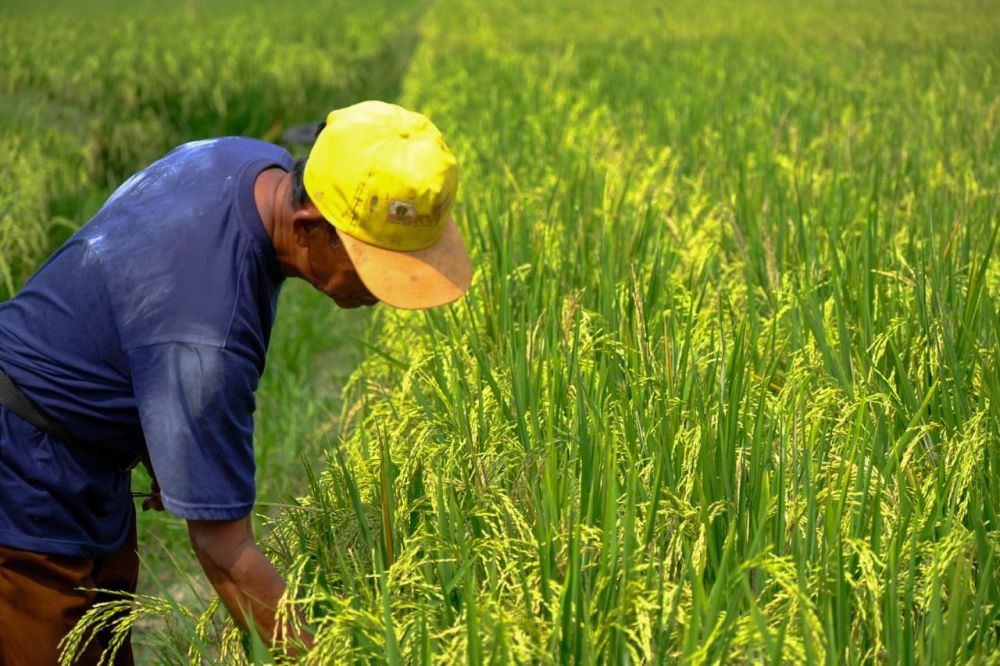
{"x":246,"y":581}
{"x":249,"y":586}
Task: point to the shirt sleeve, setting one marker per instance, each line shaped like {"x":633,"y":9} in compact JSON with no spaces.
{"x":196,"y":404}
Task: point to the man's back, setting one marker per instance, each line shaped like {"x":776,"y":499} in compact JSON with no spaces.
{"x":164,"y":298}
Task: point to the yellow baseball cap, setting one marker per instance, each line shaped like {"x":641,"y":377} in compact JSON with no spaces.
{"x":384,"y":177}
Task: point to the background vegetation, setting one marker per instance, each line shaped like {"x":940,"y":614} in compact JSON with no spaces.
{"x":726,"y":385}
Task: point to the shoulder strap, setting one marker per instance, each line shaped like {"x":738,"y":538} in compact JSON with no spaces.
{"x":16,"y":401}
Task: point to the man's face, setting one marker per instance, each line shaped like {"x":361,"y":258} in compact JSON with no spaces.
{"x":332,"y":272}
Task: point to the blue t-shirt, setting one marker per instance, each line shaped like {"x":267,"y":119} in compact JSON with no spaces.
{"x":146,"y":331}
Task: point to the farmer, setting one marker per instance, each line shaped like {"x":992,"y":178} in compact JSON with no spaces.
{"x":143,"y":338}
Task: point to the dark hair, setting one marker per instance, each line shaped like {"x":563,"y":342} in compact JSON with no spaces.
{"x":297,"y":195}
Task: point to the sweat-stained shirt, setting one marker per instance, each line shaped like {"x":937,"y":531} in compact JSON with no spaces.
{"x":146,"y":331}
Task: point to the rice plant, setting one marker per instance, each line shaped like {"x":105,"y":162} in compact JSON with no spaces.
{"x":722,"y":390}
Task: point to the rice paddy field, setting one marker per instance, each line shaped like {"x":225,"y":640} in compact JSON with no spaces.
{"x":726,"y":388}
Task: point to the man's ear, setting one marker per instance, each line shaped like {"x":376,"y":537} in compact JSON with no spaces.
{"x":306,"y":223}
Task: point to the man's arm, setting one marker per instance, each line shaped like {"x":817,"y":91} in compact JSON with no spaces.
{"x":245,"y":579}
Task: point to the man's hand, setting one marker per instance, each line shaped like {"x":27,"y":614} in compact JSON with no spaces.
{"x":244,"y":578}
{"x":154,"y":501}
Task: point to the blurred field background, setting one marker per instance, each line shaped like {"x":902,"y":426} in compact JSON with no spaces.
{"x":726,"y":387}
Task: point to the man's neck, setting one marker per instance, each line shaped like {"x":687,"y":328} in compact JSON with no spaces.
{"x":271,"y":196}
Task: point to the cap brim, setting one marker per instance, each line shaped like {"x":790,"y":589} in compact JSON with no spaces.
{"x":413,"y":280}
